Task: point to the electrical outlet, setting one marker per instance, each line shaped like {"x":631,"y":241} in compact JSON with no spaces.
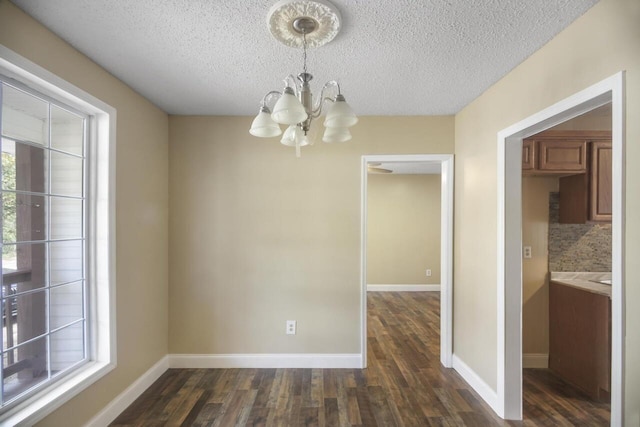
{"x":526,"y":252}
{"x":291,"y":327}
{"x":428,"y":272}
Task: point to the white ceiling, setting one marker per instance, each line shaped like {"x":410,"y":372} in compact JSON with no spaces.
{"x":217,"y":57}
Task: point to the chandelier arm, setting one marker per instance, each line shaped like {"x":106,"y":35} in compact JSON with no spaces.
{"x":291,"y":78}
{"x":318,"y":111}
{"x":332,"y":83}
{"x":265,"y":99}
{"x":318,"y":108}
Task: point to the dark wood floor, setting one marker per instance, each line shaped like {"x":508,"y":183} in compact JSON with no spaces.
{"x":404,"y":385}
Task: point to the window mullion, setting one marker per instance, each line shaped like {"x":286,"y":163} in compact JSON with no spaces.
{"x":47,"y":236}
{"x":88,"y":353}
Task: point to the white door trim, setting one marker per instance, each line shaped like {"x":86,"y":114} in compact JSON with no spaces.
{"x":510,"y":240}
{"x":446,"y":248}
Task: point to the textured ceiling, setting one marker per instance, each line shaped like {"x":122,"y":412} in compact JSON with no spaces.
{"x":216,"y":57}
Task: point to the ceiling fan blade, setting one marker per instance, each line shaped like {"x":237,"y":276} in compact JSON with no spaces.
{"x":378,"y":170}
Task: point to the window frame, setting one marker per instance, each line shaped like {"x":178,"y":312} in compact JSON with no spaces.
{"x":100,"y":238}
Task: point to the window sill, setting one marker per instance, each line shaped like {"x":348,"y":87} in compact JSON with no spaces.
{"x":51,"y":398}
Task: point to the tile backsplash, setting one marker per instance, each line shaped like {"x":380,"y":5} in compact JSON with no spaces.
{"x":577,"y":247}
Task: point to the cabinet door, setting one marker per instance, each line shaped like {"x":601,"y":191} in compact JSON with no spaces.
{"x":579,"y":349}
{"x":567,"y":155}
{"x":528,"y":155}
{"x":574,"y":206}
{"x":601,"y":185}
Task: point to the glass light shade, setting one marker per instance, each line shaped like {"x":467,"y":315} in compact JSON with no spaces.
{"x":292,"y":134}
{"x":336,"y":135}
{"x":340,"y":115}
{"x":263,"y":125}
{"x":288,"y":110}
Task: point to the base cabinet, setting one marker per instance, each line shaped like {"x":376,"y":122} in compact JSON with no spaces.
{"x":580,"y":339}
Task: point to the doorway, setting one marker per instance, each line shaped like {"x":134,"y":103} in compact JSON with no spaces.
{"x":510,"y":240}
{"x":445,"y":162}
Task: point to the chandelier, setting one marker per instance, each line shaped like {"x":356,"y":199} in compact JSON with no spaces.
{"x":305,"y":24}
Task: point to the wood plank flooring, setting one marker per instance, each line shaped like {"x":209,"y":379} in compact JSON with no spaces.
{"x":404,"y":385}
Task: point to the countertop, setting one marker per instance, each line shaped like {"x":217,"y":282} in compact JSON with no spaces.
{"x":584,"y":281}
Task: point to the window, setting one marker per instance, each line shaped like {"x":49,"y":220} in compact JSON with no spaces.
{"x":57,"y":330}
{"x":43,"y":293}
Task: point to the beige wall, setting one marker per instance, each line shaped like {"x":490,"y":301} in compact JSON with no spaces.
{"x":602,"y":42}
{"x":598,"y":119}
{"x":403,"y":222}
{"x":259,"y":237}
{"x":535,"y":284}
{"x":142,"y":210}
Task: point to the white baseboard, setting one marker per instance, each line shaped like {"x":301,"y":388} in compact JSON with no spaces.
{"x":129,"y":395}
{"x":535,"y":360}
{"x":226,"y":361}
{"x":469,"y":375}
{"x":403,"y":288}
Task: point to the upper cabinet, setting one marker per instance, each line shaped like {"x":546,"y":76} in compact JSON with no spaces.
{"x":562,"y":156}
{"x":582,"y":160}
{"x":555,"y":152}
{"x":600,"y":179}
{"x":528,"y":156}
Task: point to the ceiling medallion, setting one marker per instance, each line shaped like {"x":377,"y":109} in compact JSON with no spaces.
{"x":324,"y":17}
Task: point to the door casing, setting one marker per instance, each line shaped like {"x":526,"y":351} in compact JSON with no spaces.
{"x":509,"y":268}
{"x":446,"y":247}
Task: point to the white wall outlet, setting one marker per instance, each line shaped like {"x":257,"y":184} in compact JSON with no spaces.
{"x":526,"y":252}
{"x":428,"y":272}
{"x":291,"y":327}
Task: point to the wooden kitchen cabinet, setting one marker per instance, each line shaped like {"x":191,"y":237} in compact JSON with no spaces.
{"x":574,"y":199}
{"x":528,"y":155}
{"x":554,"y":152}
{"x":566,"y":155}
{"x":580,"y":339}
{"x":588,"y":197}
{"x":600,"y":190}
{"x":582,"y":161}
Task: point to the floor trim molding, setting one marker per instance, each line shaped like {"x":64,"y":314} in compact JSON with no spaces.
{"x":226,"y":361}
{"x":402,"y":288}
{"x":535,"y":360}
{"x":473,"y":379}
{"x":129,"y":395}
